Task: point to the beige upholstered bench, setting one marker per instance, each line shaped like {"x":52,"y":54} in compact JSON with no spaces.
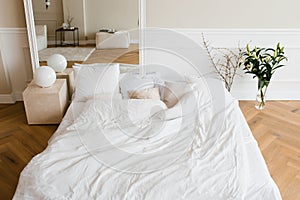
{"x":120,"y":39}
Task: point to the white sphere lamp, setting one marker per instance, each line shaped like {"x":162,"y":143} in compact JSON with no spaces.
{"x":44,"y":76}
{"x":58,"y":62}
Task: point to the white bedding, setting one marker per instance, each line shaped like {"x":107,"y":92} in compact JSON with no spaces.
{"x":192,"y":156}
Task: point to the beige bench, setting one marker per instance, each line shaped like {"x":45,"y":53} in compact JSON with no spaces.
{"x":120,"y":39}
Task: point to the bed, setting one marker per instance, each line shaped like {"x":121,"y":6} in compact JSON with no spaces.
{"x":109,"y":146}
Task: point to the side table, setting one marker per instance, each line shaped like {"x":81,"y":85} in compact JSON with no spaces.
{"x":62,"y":32}
{"x":46,"y":105}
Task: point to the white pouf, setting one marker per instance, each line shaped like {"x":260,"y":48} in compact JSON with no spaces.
{"x":120,"y":39}
{"x":57,"y":62}
{"x":44,"y":76}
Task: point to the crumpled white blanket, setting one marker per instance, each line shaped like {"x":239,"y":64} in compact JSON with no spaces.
{"x":139,"y":150}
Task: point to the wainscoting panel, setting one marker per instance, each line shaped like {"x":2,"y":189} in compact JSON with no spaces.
{"x":285,"y":84}
{"x":16,"y":62}
{"x":5,"y":87}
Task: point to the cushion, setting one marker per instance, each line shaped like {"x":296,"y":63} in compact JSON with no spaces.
{"x":103,"y":96}
{"x":174,"y":91}
{"x":125,"y":68}
{"x":150,"y":93}
{"x":96,"y":79}
{"x":133,"y":81}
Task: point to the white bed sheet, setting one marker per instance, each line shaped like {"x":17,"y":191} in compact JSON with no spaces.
{"x":259,"y":184}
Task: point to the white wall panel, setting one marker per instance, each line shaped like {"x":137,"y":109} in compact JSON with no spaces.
{"x":16,"y":62}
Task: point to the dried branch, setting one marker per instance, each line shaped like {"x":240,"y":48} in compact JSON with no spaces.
{"x":225,"y":65}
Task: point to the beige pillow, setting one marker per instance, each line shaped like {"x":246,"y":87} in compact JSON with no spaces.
{"x":151,"y":93}
{"x":174,"y":91}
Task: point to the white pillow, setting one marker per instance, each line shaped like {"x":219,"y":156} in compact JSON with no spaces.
{"x":133,"y":81}
{"x":77,"y":67}
{"x":96,"y":79}
{"x":124,"y":68}
{"x":174,"y":91}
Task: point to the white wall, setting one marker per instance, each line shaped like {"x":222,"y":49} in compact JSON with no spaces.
{"x":92,"y":15}
{"x":52,"y":17}
{"x":117,"y":14}
{"x":76,"y":9}
{"x":228,"y":23}
{"x":12,"y":14}
{"x":223,"y":14}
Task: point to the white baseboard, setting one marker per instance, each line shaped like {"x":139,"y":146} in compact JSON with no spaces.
{"x":7,"y":99}
{"x":11,"y":98}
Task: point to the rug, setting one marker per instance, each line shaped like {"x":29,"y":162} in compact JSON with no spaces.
{"x":70,"y":53}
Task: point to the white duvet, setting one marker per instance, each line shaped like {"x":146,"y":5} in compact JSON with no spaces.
{"x":139,"y":149}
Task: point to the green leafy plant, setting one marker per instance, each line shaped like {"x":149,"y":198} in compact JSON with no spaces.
{"x":262,"y":63}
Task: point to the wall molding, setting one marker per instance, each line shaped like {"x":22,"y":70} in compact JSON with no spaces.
{"x":288,"y":37}
{"x":8,"y":30}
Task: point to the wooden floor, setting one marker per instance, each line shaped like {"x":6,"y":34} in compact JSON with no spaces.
{"x":127,"y":55}
{"x":277,"y":129}
{"x":130,"y":55}
{"x":18,"y":144}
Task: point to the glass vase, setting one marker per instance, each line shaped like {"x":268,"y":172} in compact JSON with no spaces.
{"x":261,"y":98}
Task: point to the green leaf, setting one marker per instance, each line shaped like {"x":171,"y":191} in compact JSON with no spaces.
{"x":278,"y":67}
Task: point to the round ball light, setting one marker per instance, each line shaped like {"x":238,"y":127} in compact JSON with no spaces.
{"x":44,"y":76}
{"x":57,"y":62}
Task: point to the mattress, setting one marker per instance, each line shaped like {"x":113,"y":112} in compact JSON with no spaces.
{"x":255,"y":182}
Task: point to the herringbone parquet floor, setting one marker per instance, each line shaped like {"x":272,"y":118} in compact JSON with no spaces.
{"x":18,"y":144}
{"x":277,"y":129}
